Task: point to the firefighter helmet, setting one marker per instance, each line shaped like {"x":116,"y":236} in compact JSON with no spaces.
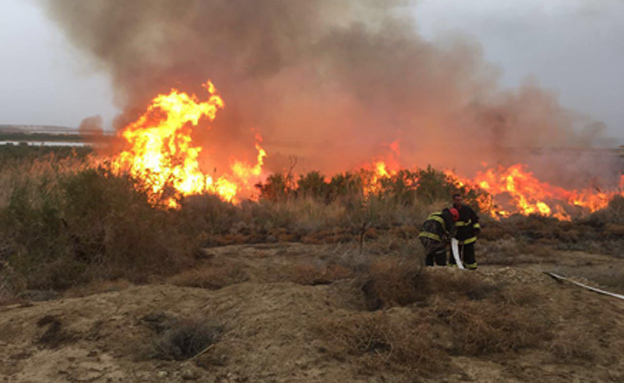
{"x":454,"y":213}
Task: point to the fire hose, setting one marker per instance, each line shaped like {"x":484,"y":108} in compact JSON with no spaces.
{"x":559,"y":278}
{"x":455,"y":251}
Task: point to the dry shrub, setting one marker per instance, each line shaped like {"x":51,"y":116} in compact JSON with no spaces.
{"x":613,"y":213}
{"x":486,"y":327}
{"x":207,"y":214}
{"x":97,"y":286}
{"x":405,"y":232}
{"x":185,"y":338}
{"x":395,"y":281}
{"x":495,"y":230}
{"x":334,"y":235}
{"x":309,"y":273}
{"x":513,"y":251}
{"x":90,"y":225}
{"x":211,"y":277}
{"x":485,"y":316}
{"x":10,"y":284}
{"x":575,"y":344}
{"x":614,"y":230}
{"x":304,"y":215}
{"x":455,"y":283}
{"x":504,"y":251}
{"x":19,"y":164}
{"x":381,"y":341}
{"x":7,"y":297}
{"x":519,"y":295}
{"x":350,"y":257}
{"x":55,"y":335}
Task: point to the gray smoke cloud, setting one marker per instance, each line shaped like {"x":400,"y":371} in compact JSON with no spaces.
{"x":332,"y":82}
{"x":91,"y":126}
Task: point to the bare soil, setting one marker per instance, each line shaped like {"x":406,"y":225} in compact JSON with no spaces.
{"x":271,"y":301}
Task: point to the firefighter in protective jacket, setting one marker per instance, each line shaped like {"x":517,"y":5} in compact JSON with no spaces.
{"x":468,"y":229}
{"x":436,"y":232}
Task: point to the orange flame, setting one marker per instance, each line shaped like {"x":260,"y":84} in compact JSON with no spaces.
{"x":373,"y":176}
{"x":161,"y":153}
{"x":381,"y":169}
{"x":527,"y":195}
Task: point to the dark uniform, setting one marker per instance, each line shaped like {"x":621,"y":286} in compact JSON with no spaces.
{"x":435,"y":235}
{"x":467,"y":230}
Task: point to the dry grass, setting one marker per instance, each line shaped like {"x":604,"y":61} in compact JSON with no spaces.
{"x":457,"y":284}
{"x":211,"y":277}
{"x":513,"y":251}
{"x":18,"y":171}
{"x":316,"y":273}
{"x":395,"y":281}
{"x":485,"y":327}
{"x":97,"y":286}
{"x":575,"y":344}
{"x":487,"y":317}
{"x":445,"y":312}
{"x":380,"y":342}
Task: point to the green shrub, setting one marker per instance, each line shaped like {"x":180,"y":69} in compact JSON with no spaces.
{"x":276,"y":188}
{"x":206,"y":214}
{"x":347,"y":188}
{"x":404,"y":189}
{"x":313,"y":185}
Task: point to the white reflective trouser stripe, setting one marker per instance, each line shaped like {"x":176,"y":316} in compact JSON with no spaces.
{"x":455,"y":251}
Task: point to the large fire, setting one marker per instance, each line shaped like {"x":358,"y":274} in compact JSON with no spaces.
{"x":515,"y":190}
{"x":161,"y":153}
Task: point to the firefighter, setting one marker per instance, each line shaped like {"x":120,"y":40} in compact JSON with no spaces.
{"x":436,"y":233}
{"x":468,"y":229}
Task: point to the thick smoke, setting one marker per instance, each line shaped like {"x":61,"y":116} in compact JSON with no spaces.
{"x":331,"y":82}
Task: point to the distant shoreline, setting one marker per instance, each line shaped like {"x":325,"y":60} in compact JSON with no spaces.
{"x":50,"y":138}
{"x":37,"y":129}
{"x":46,"y":143}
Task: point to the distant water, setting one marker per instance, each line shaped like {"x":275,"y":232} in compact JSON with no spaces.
{"x":45,"y":143}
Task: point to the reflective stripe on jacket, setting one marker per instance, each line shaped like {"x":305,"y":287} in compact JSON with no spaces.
{"x":437,"y":225}
{"x":467,"y":225}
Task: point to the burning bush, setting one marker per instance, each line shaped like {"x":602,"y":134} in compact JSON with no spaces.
{"x":352,"y":199}
{"x":404,"y":187}
{"x":612,"y":214}
{"x":66,"y":222}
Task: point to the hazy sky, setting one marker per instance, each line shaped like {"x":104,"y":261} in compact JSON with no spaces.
{"x":573,"y":47}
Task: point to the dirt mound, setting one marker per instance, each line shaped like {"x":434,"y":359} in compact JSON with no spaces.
{"x":274,"y":319}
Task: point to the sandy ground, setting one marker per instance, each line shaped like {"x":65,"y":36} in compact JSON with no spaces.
{"x":268,"y":326}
